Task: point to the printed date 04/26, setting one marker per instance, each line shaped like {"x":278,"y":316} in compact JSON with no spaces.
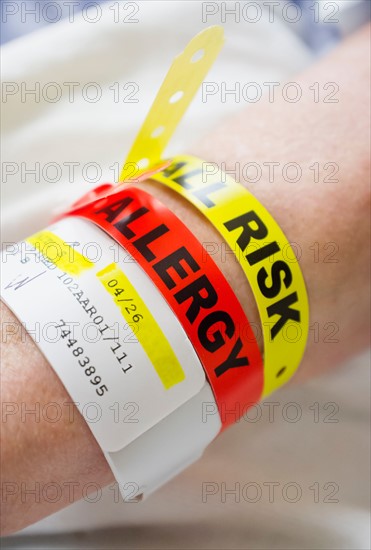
{"x":82,"y":360}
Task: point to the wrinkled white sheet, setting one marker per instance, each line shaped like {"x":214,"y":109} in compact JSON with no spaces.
{"x":303,"y":452}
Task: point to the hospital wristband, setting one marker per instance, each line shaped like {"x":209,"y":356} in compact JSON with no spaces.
{"x":262,"y":250}
{"x":104,"y":327}
{"x":193,"y":286}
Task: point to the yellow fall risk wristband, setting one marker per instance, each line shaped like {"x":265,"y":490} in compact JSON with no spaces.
{"x":262,"y":251}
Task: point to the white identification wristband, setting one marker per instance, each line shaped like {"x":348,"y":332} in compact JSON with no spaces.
{"x":119,"y":349}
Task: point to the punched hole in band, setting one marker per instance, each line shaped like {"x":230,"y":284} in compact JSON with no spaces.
{"x":142,"y":163}
{"x":176,"y":97}
{"x":197,"y":56}
{"x":280,"y":372}
{"x":158,"y":131}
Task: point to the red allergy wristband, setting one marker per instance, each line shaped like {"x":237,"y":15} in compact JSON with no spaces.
{"x":193,"y":286}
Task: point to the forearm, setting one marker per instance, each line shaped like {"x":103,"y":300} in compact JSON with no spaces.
{"x":306,"y":133}
{"x":308,"y":212}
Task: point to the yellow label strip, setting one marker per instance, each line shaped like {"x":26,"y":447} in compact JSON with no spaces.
{"x":59,"y":253}
{"x":182,"y":81}
{"x":150,"y":335}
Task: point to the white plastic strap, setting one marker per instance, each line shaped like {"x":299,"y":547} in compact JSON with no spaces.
{"x":119,"y":350}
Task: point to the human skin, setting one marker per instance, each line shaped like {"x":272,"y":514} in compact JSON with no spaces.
{"x":304,"y":132}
